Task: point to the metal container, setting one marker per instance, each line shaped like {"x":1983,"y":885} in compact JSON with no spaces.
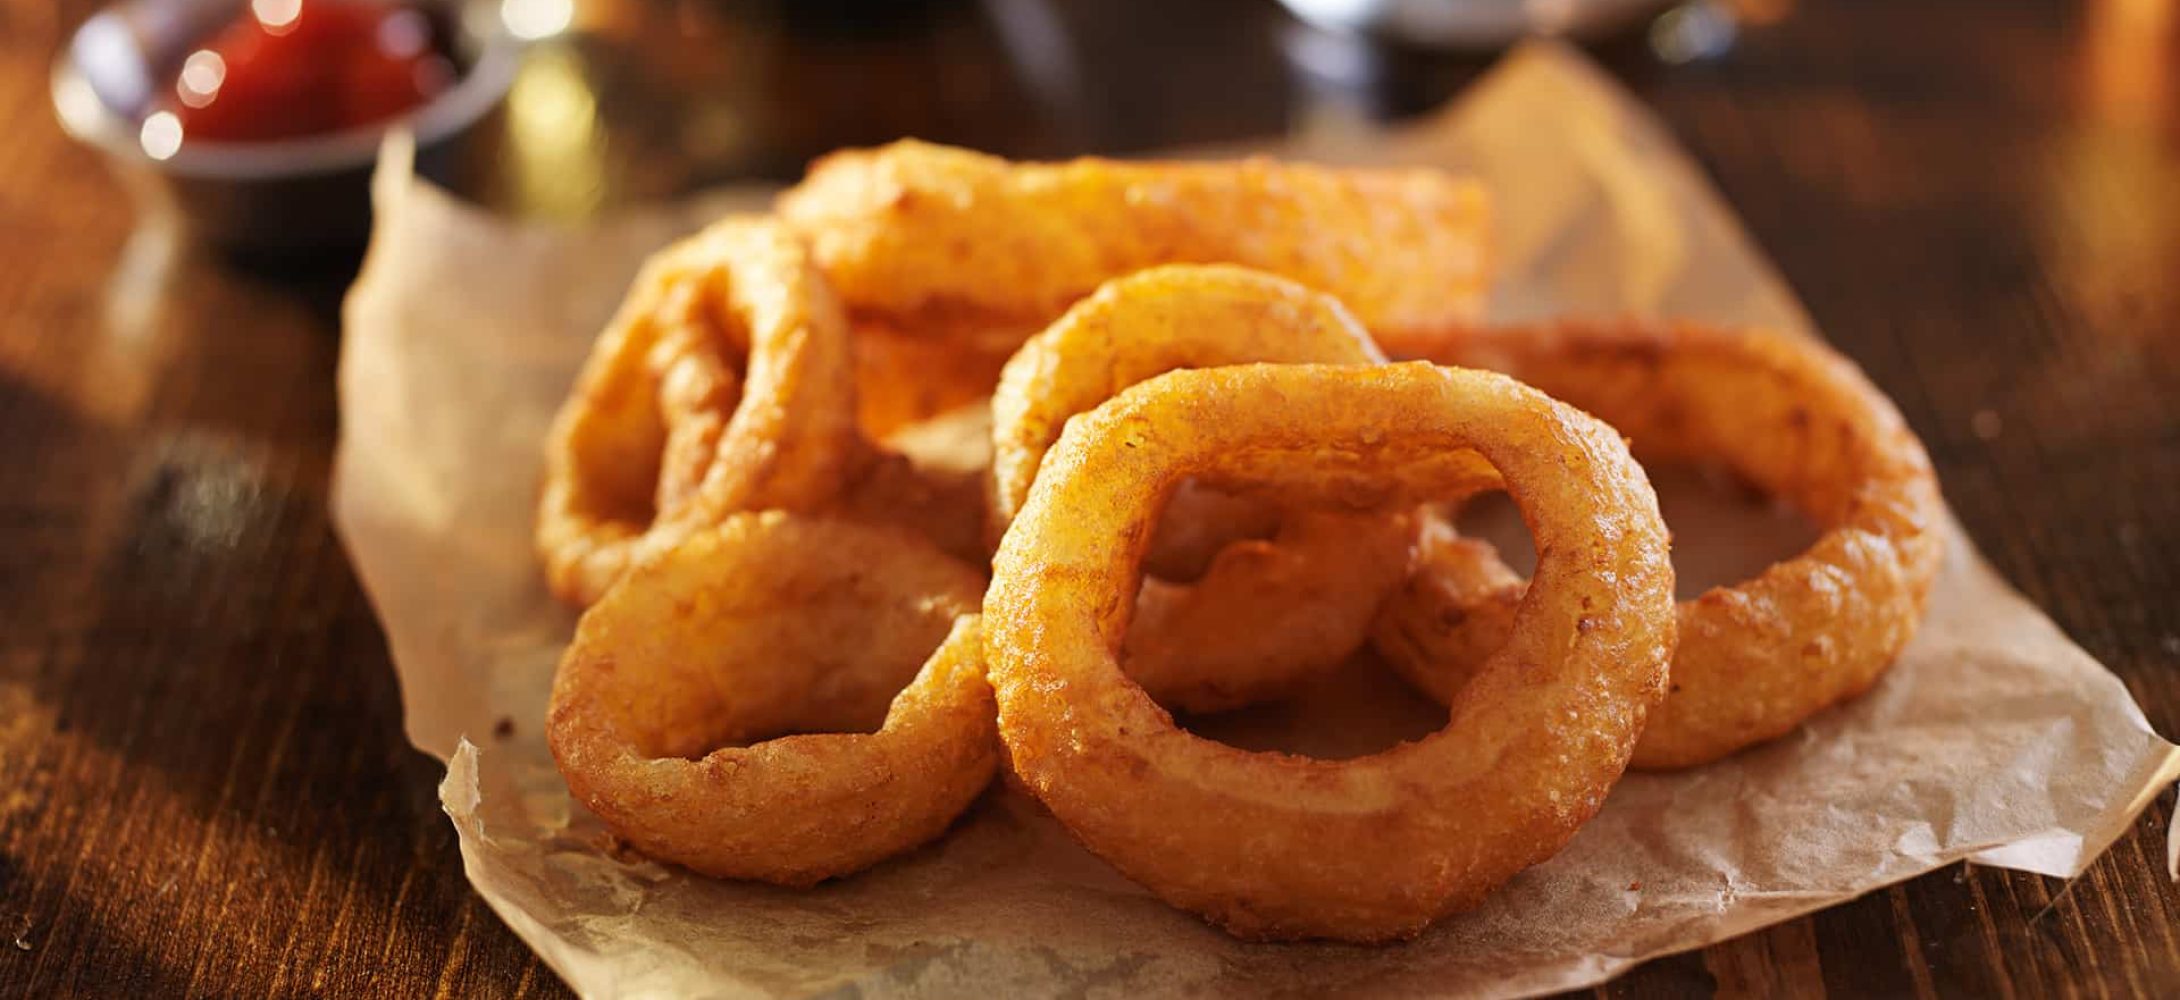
{"x":304,"y":193}
{"x":1471,"y":24}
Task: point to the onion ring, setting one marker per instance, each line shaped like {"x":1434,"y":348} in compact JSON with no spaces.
{"x":941,"y":505}
{"x":1797,"y":420}
{"x":934,"y":236}
{"x":1272,"y":846}
{"x":1199,"y":523}
{"x":903,"y":378}
{"x":1456,"y":607}
{"x":1265,"y":614}
{"x":723,"y":384}
{"x":769,"y":624}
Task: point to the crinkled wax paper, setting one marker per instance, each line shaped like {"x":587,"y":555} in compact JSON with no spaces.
{"x":1994,"y":739}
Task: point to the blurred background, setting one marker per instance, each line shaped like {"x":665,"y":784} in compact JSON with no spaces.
{"x":637,"y":99}
{"x":208,"y":790}
{"x":253,"y":119}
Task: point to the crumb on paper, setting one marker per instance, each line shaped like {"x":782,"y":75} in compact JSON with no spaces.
{"x":618,"y":849}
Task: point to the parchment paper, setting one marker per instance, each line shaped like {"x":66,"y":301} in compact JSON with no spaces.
{"x":1994,"y":739}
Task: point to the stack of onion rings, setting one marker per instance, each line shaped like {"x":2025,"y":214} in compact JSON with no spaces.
{"x":674,"y":711}
{"x":1273,"y":846}
{"x":750,"y":484}
{"x":1792,"y":417}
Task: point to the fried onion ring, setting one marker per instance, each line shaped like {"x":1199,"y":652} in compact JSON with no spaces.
{"x":723,"y":384}
{"x":1265,"y":613}
{"x":1795,"y":419}
{"x":1272,"y":846}
{"x":941,"y":505}
{"x":1456,"y":607}
{"x":904,"y":378}
{"x":775,"y":624}
{"x":1201,"y":522}
{"x":935,"y":236}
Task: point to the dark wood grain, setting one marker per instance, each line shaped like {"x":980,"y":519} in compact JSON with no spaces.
{"x":204,"y":790}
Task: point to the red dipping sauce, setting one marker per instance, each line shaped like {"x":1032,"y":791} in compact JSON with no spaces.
{"x":289,"y":68}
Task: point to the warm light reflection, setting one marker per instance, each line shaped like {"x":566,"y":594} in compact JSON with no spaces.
{"x":552,"y":122}
{"x":404,"y":34}
{"x":1692,"y":32}
{"x":130,"y":355}
{"x":2127,"y":59}
{"x":2106,"y":220}
{"x":276,"y":15}
{"x":2110,"y":201}
{"x":1758,"y":13}
{"x":531,"y":20}
{"x":161,"y":135}
{"x":202,"y":74}
{"x":218,"y":493}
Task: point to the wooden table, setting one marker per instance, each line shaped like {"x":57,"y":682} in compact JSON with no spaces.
{"x":206,"y":788}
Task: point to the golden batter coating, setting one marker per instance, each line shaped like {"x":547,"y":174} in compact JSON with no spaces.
{"x":723,"y":384}
{"x":935,"y":236}
{"x":1797,"y":420}
{"x":1274,"y":846}
{"x":750,"y":704}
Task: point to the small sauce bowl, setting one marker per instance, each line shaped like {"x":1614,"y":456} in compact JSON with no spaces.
{"x":305,"y":193}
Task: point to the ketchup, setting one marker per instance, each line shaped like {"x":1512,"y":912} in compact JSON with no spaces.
{"x":288,"y":68}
